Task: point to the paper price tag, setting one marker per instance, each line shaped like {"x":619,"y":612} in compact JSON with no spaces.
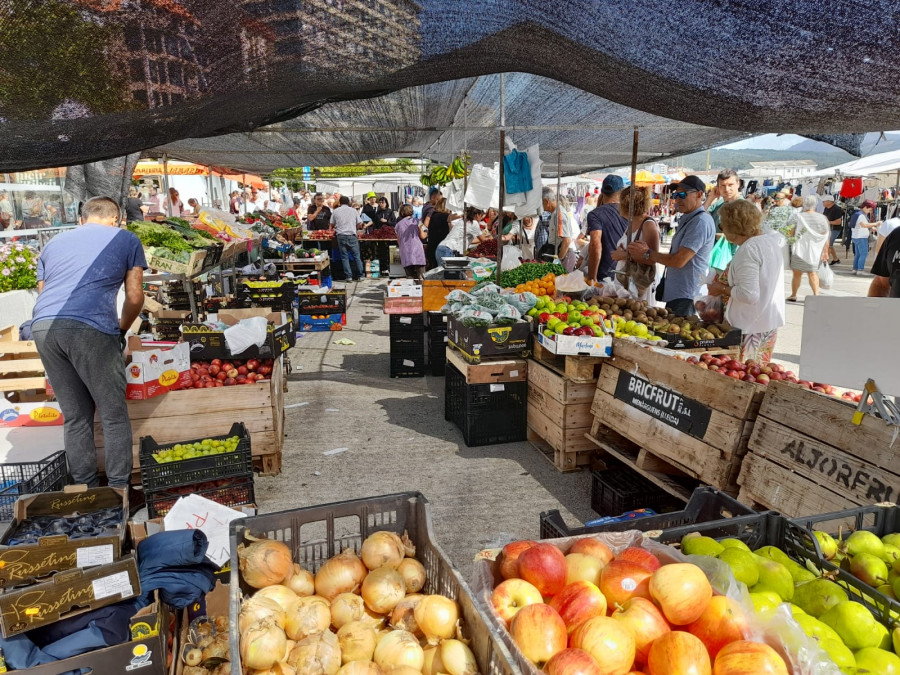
{"x":114,"y":584}
{"x":405,"y":319}
{"x":514,"y":373}
{"x":91,"y":556}
{"x":408,"y":363}
{"x":488,"y":554}
{"x":497,"y":387}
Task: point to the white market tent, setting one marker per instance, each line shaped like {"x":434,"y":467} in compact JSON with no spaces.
{"x":885,"y":162}
{"x":358,"y":186}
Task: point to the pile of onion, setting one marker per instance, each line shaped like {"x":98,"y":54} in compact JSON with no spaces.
{"x":358,"y":615}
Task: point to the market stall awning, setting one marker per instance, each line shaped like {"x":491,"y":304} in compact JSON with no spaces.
{"x":151,"y":168}
{"x":883,"y":162}
{"x":165,"y":71}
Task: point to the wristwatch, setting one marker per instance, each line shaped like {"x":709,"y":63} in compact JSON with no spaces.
{"x":647,"y":254}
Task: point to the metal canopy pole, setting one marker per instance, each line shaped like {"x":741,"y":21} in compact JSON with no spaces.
{"x":243,"y":185}
{"x":499,"y":221}
{"x":166,"y":185}
{"x":209,"y":182}
{"x":634,"y":154}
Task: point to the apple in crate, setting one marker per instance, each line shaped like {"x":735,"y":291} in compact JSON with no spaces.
{"x":544,"y":566}
{"x":512,"y":595}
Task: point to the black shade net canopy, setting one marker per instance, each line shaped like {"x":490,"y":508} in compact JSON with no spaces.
{"x":86,"y":80}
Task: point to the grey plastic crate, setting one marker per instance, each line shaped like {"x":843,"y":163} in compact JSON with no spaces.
{"x":317,"y":533}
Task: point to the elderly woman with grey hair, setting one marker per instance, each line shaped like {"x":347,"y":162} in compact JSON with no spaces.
{"x":810,"y":230}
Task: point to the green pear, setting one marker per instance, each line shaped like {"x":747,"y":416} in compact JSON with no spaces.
{"x":773,"y":576}
{"x":764,"y":600}
{"x":869,"y":569}
{"x":774,"y":553}
{"x":734,"y":543}
{"x":796,"y":611}
{"x":895,"y":639}
{"x":815,"y":628}
{"x":874,"y":660}
{"x":742,"y":564}
{"x":800,"y":574}
{"x":892,"y":539}
{"x":854,"y":623}
{"x":884,"y":635}
{"x":891,"y":554}
{"x":827,"y":544}
{"x":818,"y":596}
{"x":892,"y":574}
{"x":843,"y":658}
{"x":701,"y":546}
{"x":887,"y":590}
{"x":863,"y":541}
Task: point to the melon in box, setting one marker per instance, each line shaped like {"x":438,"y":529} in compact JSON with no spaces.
{"x":155,"y":369}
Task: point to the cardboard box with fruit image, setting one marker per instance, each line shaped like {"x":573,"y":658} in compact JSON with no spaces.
{"x":153,"y":369}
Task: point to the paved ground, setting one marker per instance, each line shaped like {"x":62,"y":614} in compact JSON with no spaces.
{"x":396,"y":438}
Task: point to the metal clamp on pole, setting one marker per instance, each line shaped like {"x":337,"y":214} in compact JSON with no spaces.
{"x":873,"y":402}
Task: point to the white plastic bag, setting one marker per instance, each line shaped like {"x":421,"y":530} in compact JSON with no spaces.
{"x":826,"y":275}
{"x":510,"y":260}
{"x":246,"y":333}
{"x":484,"y":187}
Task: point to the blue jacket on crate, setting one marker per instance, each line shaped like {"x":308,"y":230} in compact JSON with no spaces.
{"x":173,"y":563}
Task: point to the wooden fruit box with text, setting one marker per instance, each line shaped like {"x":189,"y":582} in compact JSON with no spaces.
{"x":559,"y":414}
{"x":806,"y":455}
{"x":696,"y":420}
{"x":200,"y":413}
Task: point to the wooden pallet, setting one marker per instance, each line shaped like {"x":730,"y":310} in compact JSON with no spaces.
{"x":580,"y":369}
{"x":22,"y":375}
{"x":807,"y":457}
{"x":569,"y":462}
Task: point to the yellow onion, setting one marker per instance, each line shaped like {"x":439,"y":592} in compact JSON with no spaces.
{"x":402,"y":670}
{"x":383,"y":589}
{"x":341,"y":574}
{"x":262,"y":644}
{"x":413,"y":573}
{"x":253,"y":609}
{"x":283,"y":595}
{"x":433,"y":663}
{"x":288,"y":646}
{"x":357,"y":640}
{"x":382,"y":548}
{"x":301,"y":581}
{"x":345,"y":608}
{"x":436,"y":617}
{"x":404,"y":617}
{"x":264,"y":563}
{"x":280,"y":668}
{"x":360,"y":668}
{"x":307,"y":616}
{"x":399,"y":648}
{"x":457,"y":658}
{"x":318,"y":654}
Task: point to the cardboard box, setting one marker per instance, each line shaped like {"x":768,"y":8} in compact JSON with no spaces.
{"x":41,"y":414}
{"x":154,"y":369}
{"x":68,"y":594}
{"x":477,"y":343}
{"x":208,"y":343}
{"x":326,"y":302}
{"x":308,"y":324}
{"x":435,"y":291}
{"x":194,"y":264}
{"x":147,"y":652}
{"x":405,"y":288}
{"x":216,"y":603}
{"x":572,"y":345}
{"x":25,"y":563}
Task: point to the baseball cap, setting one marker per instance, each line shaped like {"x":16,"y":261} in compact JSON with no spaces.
{"x":612,"y":184}
{"x":829,"y":198}
{"x":692,"y":183}
{"x":868,"y":204}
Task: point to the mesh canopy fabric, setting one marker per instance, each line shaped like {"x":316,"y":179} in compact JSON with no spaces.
{"x":84,"y":80}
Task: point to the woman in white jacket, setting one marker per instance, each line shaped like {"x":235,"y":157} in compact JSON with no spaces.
{"x":755,"y":290}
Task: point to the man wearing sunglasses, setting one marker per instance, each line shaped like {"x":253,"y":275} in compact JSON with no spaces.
{"x":687,"y":262}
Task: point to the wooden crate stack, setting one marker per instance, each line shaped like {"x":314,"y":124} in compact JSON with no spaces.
{"x":703,"y":435}
{"x":22,"y":377}
{"x":559,"y":415}
{"x":806,"y":455}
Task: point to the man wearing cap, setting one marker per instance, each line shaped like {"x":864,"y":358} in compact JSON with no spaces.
{"x":687,"y":262}
{"x":605,"y":226}
{"x":369,"y":208}
{"x":859,"y":234}
{"x":835,"y":215}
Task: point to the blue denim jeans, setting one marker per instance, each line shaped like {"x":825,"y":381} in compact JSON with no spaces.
{"x":443,"y":252}
{"x":860,"y":252}
{"x":348,"y":245}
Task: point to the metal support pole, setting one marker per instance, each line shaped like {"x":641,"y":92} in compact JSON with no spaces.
{"x":166,"y":185}
{"x":243,"y":185}
{"x":499,"y":221}
{"x":209,"y":182}
{"x":634,"y":154}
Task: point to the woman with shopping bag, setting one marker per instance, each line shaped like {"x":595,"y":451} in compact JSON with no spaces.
{"x":810,"y":230}
{"x":638,"y":277}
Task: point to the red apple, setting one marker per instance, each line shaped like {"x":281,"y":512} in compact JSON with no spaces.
{"x":762,"y":378}
{"x":218,"y":383}
{"x":622,"y":580}
{"x":776,"y":367}
{"x":216,"y":362}
{"x":512,"y":595}
{"x":240,"y":379}
{"x":693,"y":359}
{"x":722,"y":622}
{"x":608,"y":641}
{"x":776,"y":376}
{"x":214,"y":369}
{"x":577,"y":602}
{"x":744,"y":656}
{"x":539,"y":632}
{"x":544,"y":317}
{"x":243,"y":370}
{"x":509,"y":560}
{"x":221,"y":377}
{"x":544,"y":565}
{"x":583,"y":567}
{"x":252,"y":364}
{"x":736,"y":374}
{"x":211,"y":384}
{"x":593,"y":547}
{"x":227,"y":365}
{"x":645,"y":622}
{"x":706,"y":357}
{"x":748,"y":378}
{"x":751,"y":363}
{"x":681,"y":591}
{"x":640,"y":556}
{"x":572,"y":662}
{"x":228,"y":382}
{"x":679,"y":653}
{"x":714,"y":368}
{"x":755,"y":371}
{"x":703,"y":365}
{"x":232,"y":373}
{"x":202,"y":371}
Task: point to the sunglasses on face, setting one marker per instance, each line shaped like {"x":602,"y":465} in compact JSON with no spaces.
{"x":682,"y":194}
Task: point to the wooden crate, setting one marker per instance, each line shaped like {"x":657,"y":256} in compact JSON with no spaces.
{"x":197,"y":413}
{"x":559,"y":414}
{"x":807,"y":457}
{"x":489,"y":371}
{"x":697,"y":421}
{"x":21,"y":371}
{"x":582,"y":369}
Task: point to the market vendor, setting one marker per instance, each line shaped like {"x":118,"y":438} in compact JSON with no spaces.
{"x":687,"y":262}
{"x":80,"y":338}
{"x":886,"y":268}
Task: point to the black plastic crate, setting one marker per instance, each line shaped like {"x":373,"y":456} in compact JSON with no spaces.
{"x":486,"y":414}
{"x":620,"y":489}
{"x":29,"y":478}
{"x":235,"y":491}
{"x":408,"y":365}
{"x":436,"y":321}
{"x":156,"y":476}
{"x":404,"y":324}
{"x":705,"y":505}
{"x":437,"y":358}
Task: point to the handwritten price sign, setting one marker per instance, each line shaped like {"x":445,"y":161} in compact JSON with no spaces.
{"x":198,"y":513}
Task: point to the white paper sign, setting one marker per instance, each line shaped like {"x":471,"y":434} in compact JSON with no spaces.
{"x":498,"y":387}
{"x":91,"y":556}
{"x":199,"y":513}
{"x":114,"y":584}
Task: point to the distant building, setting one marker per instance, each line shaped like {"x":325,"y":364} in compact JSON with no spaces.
{"x":788,"y":169}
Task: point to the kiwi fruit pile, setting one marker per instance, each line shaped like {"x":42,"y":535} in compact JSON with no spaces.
{"x":661,"y":320}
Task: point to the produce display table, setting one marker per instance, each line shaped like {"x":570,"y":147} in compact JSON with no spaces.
{"x":302,"y":265}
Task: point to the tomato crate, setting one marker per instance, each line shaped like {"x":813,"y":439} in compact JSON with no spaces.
{"x":28,"y":478}
{"x":317,"y":533}
{"x":157,"y":476}
{"x":225,"y":491}
{"x":705,"y":505}
{"x":620,"y":489}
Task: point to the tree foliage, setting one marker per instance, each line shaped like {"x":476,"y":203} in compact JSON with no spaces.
{"x":365,"y":168}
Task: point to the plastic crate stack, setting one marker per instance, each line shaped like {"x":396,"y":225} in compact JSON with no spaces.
{"x":407,"y":337}
{"x":173,"y":295}
{"x":226,"y":478}
{"x":486,"y":414}
{"x":278,"y":295}
{"x":320,"y":310}
{"x":28,"y":478}
{"x":437,"y":343}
